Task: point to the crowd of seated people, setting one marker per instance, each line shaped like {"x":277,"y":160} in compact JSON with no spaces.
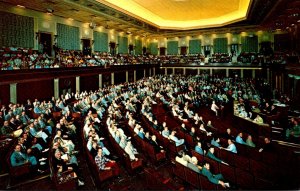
{"x":220,"y":58}
{"x":192,"y":163}
{"x":21,"y":58}
{"x":159,"y":88}
{"x":12,"y":58}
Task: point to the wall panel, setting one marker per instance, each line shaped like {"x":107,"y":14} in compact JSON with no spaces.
{"x":88,"y":83}
{"x":153,"y":48}
{"x":68,"y":37}
{"x":100,"y":41}
{"x":220,"y":45}
{"x":195,"y":46}
{"x":172,"y":47}
{"x":123,"y":45}
{"x":4,"y":94}
{"x":249,"y":44}
{"x":138,"y":47}
{"x":16,"y":30}
{"x":120,"y":77}
{"x":42,"y":90}
{"x":67,"y":85}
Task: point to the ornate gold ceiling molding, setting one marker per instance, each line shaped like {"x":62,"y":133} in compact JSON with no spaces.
{"x":136,"y":10}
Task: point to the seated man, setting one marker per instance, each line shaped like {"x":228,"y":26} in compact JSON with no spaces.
{"x":231,"y":146}
{"x":210,"y":154}
{"x":294,"y":131}
{"x":6,"y":130}
{"x":239,"y":139}
{"x":215,"y":142}
{"x":268,"y":146}
{"x":154,"y":143}
{"x":131,"y":151}
{"x":177,"y":141}
{"x":194,"y":165}
{"x":199,"y":149}
{"x":166,"y":133}
{"x":18,"y":158}
{"x":216,"y":179}
{"x":204,"y":130}
{"x":104,"y":163}
{"x":182,"y":158}
{"x":61,"y":164}
{"x":249,"y":141}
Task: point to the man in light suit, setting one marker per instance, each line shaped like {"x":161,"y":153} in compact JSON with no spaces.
{"x":177,"y":141}
{"x":131,"y":151}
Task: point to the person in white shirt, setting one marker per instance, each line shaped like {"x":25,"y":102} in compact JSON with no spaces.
{"x":214,"y":108}
{"x":131,"y":151}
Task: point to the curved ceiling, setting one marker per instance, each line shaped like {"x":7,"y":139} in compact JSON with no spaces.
{"x":183,"y":14}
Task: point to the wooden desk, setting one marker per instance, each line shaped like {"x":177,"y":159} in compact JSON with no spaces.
{"x":250,"y":127}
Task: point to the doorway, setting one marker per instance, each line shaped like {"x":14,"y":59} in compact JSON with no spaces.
{"x":162,"y":51}
{"x":183,"y":50}
{"x":207,"y":50}
{"x":86,"y":46}
{"x":266,"y":48}
{"x":130,"y":48}
{"x":144,"y":50}
{"x":234,"y":49}
{"x":112,"y":47}
{"x":46,"y":43}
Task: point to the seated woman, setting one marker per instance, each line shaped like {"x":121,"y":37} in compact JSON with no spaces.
{"x":104,"y":163}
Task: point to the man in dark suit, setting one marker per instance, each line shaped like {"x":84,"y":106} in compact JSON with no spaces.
{"x":6,"y":130}
{"x":153,"y":142}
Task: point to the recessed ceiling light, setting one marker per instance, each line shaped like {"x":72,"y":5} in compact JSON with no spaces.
{"x":50,"y":10}
{"x":71,"y":19}
{"x":298,"y":21}
{"x":21,"y":6}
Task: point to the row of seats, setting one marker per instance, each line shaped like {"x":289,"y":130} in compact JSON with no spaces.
{"x":131,"y":166}
{"x":146,"y":147}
